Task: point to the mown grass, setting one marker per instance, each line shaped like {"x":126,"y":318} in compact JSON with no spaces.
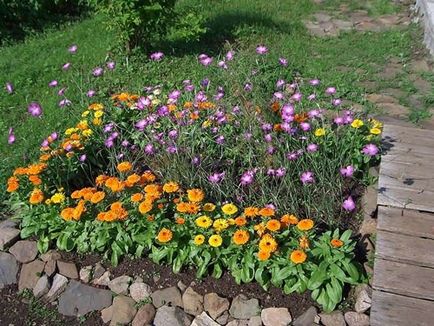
{"x":241,"y":25}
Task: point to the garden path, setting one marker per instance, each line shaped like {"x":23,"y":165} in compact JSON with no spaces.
{"x":404,"y":265}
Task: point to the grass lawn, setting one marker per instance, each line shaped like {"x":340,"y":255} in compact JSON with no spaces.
{"x":240,"y":25}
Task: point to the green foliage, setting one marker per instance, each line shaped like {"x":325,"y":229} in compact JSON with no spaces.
{"x":188,"y":27}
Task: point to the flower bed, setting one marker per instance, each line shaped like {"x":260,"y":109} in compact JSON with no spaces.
{"x":262,"y":187}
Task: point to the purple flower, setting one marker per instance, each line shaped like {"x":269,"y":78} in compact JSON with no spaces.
{"x":35,"y":109}
{"x":45,"y":143}
{"x":163,"y":111}
{"x":248,"y":87}
{"x":247,"y":178}
{"x":108,"y":127}
{"x":270,"y":150}
{"x":173,"y":134}
{"x":11,"y":136}
{"x":287,"y":110}
{"x":283,"y":62}
{"x":53,"y":83}
{"x":220,"y":140}
{"x":330,"y":90}
{"x":349,"y":204}
{"x":280,"y":83}
{"x":172,"y":149}
{"x":111,"y":65}
{"x":311,"y":97}
{"x":61,"y":91}
{"x":305,"y":126}
{"x":266,"y":127}
{"x":307,"y":177}
{"x":64,"y":102}
{"x":9,"y":88}
{"x":189,"y":88}
{"x":268,"y":138}
{"x":195,"y":161}
{"x":296,"y":97}
{"x":174,"y":94}
{"x":157,"y":56}
{"x":90,"y":93}
{"x":72,"y":49}
{"x":125,"y":143}
{"x":278,"y":95}
{"x":66,"y":66}
{"x":82,"y":158}
{"x":347,"y":171}
{"x":261,"y":49}
{"x":54,"y":136}
{"x":143,"y":102}
{"x":271,"y":172}
{"x":280,"y":172}
{"x":336,"y":102}
{"x":68,"y":147}
{"x":149,"y":149}
{"x":222,"y":64}
{"x":230,"y":55}
{"x":314,"y":82}
{"x":248,"y":136}
{"x":370,"y":150}
{"x":205,"y":60}
{"x":98,"y":71}
{"x":216,"y":177}
{"x":292,"y":156}
{"x":339,"y":121}
{"x":311,"y":148}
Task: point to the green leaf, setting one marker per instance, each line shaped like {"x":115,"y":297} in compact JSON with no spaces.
{"x":217,"y":271}
{"x":43,"y":244}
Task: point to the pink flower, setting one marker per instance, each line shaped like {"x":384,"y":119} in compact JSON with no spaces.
{"x":157,"y":56}
{"x":72,"y":49}
{"x":330,"y":90}
{"x":307,"y":177}
{"x":11,"y":136}
{"x":35,"y":109}
{"x":370,"y":150}
{"x":66,"y":66}
{"x":9,"y":88}
{"x":347,"y":171}
{"x":230,"y":55}
{"x":314,"y":82}
{"x":65,"y":102}
{"x":98,"y":71}
{"x":111,"y":65}
{"x":283,"y":62}
{"x":349,"y":204}
{"x":216,"y":177}
{"x":261,"y":49}
{"x":90,"y":93}
{"x":53,"y":83}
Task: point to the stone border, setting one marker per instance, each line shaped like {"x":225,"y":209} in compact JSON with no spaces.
{"x":426,"y":10}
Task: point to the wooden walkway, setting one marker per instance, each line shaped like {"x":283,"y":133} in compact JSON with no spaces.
{"x":404,"y":260}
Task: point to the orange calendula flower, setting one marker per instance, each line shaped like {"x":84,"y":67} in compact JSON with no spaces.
{"x":135,"y":198}
{"x":124,"y":167}
{"x":36,"y":197}
{"x":273,"y":225}
{"x":165,"y":235}
{"x":170,"y":187}
{"x":260,"y":229}
{"x":13,"y":184}
{"x":288,"y":219}
{"x":195,"y":195}
{"x":240,"y":221}
{"x":298,"y":256}
{"x":180,"y":220}
{"x":263,"y":255}
{"x":147,"y":177}
{"x":35,"y":180}
{"x":336,"y":243}
{"x":305,"y":224}
{"x":266,"y":212}
{"x":78,"y":210}
{"x":67,"y":213}
{"x":240,"y":237}
{"x":97,"y":197}
{"x":193,"y":208}
{"x":182,"y":207}
{"x":132,"y":180}
{"x":304,"y":243}
{"x":145,"y":207}
{"x":101,"y":179}
{"x":251,"y":211}
{"x":208,"y":207}
{"x":268,"y":243}
{"x":114,"y":184}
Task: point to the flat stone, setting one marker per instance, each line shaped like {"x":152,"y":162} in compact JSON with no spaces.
{"x":50,"y":267}
{"x":145,"y":315}
{"x":389,"y":20}
{"x":355,"y":319}
{"x":85,"y":274}
{"x":167,"y":296}
{"x":80,"y":299}
{"x":322,"y":17}
{"x":30,"y":274}
{"x":363,"y":294}
{"x":223,"y":319}
{"x":276,"y":317}
{"x":8,"y":236}
{"x":192,"y":302}
{"x":24,"y":251}
{"x":140,"y":291}
{"x":42,"y":287}
{"x":238,"y":322}
{"x":395,"y":92}
{"x":394,"y":109}
{"x":67,"y":269}
{"x":103,"y":280}
{"x":106,"y":314}
{"x":255,"y":321}
{"x":215,"y":305}
{"x":381,"y":98}
{"x":365,"y":26}
{"x":98,"y":271}
{"x":173,"y":316}
{"x":181,"y":286}
{"x":422,"y":85}
{"x":9,"y":223}
{"x":119,"y":285}
{"x":343,"y":24}
{"x":335,"y":318}
{"x":59,"y":284}
{"x":307,"y":318}
{"x":51,"y":255}
{"x":8,"y":269}
{"x":419,"y":66}
{"x":244,"y":308}
{"x":204,"y":320}
{"x":124,"y":310}
{"x":390,"y":72}
{"x":369,"y":201}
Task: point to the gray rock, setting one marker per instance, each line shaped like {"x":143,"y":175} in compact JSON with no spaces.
{"x":98,"y":271}
{"x":8,"y":236}
{"x":67,"y":269}
{"x":307,"y":318}
{"x":24,"y":251}
{"x":42,"y":287}
{"x":238,"y":322}
{"x":51,"y":255}
{"x":173,"y":316}
{"x":123,"y":309}
{"x":355,"y":319}
{"x":255,"y":321}
{"x":140,"y":291}
{"x":276,"y":317}
{"x":8,"y":269}
{"x":119,"y":285}
{"x":181,"y":286}
{"x":244,"y":308}
{"x":203,"y":320}
{"x":59,"y":284}
{"x":223,"y":319}
{"x":145,"y":315}
{"x":192,"y":302}
{"x":215,"y":305}
{"x":381,"y":98}
{"x":169,"y":295}
{"x":335,"y":318}
{"x":80,"y":299}
{"x":106,"y":314}
{"x":50,"y":268}
{"x":103,"y":280}
{"x":363,"y":295}
{"x":30,"y":274}
{"x":9,"y":223}
{"x":85,"y":274}
{"x":419,"y":66}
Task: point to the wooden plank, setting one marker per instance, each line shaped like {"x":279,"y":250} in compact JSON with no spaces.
{"x":406,"y":221}
{"x":406,"y":198}
{"x":406,"y":181}
{"x":404,"y":248}
{"x":396,"y":310}
{"x":407,"y":148}
{"x":417,"y":159}
{"x":402,"y":170}
{"x":409,"y":280}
